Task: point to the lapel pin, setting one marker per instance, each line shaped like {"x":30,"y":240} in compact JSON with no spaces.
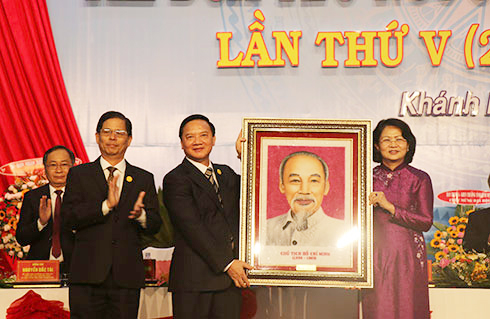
{"x":129,"y":179}
{"x":218,"y":171}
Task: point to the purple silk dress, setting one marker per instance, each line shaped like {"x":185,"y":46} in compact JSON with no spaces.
{"x":400,"y":260}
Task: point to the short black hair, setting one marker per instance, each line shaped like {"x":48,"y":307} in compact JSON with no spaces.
{"x":303,"y":153}
{"x":58,"y":147}
{"x":195,"y":117}
{"x":406,"y":133}
{"x":114,"y":114}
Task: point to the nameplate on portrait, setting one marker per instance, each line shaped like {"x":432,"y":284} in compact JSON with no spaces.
{"x":305,"y":267}
{"x":38,"y":271}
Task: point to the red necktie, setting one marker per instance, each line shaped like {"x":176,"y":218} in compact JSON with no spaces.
{"x":56,"y":225}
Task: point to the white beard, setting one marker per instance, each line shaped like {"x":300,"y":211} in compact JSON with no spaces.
{"x":301,"y":219}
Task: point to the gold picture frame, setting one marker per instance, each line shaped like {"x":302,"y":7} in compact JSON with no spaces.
{"x":309,"y":248}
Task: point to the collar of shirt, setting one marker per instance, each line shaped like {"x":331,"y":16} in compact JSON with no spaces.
{"x":52,"y":191}
{"x":313,"y":219}
{"x":121,"y":167}
{"x":53,"y":195}
{"x":121,"y":170}
{"x":202,"y":168}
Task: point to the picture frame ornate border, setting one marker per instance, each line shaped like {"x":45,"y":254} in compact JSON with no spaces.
{"x":348,"y":146}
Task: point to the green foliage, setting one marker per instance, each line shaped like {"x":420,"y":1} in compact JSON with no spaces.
{"x":165,"y":236}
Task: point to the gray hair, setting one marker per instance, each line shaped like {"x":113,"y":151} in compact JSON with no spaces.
{"x":304,"y":153}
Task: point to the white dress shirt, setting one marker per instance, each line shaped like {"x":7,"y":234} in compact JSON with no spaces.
{"x":119,"y":172}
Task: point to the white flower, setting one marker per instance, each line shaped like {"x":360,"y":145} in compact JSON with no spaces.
{"x":2,"y":246}
{"x":11,"y":253}
{"x":18,"y":195}
{"x":20,"y":254}
{"x":8,"y":196}
{"x":31,"y":184}
{"x":12,"y":189}
{"x":26,"y":248}
{"x":5,"y":239}
{"x":24,"y":186}
{"x":6,"y":227}
{"x":32,"y":177}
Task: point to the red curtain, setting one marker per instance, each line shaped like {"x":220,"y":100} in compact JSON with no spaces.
{"x":35,"y":110}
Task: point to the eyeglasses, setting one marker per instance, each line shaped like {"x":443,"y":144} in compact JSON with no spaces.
{"x":108,"y":132}
{"x":397,"y":141}
{"x":55,"y":166}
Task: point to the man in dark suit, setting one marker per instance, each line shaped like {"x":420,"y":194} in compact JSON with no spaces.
{"x":40,"y":223}
{"x":203,"y":202}
{"x":109,"y":203}
{"x":477,"y":233}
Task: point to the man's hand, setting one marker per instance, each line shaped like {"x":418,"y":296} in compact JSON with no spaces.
{"x":138,"y":206}
{"x":113,"y":193}
{"x":239,"y":144}
{"x":237,"y":273}
{"x":44,"y":210}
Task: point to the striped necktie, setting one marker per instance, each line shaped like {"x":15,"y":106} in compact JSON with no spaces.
{"x":209,"y":176}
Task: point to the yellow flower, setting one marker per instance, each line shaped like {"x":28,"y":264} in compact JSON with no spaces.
{"x":435,"y":243}
{"x":453,"y":248}
{"x":453,"y":234}
{"x":449,"y":229}
{"x":470,"y":211}
{"x":453,"y":220}
{"x":129,"y":179}
{"x":463,"y":220}
{"x":439,"y":255}
{"x":2,"y":214}
{"x":13,"y":223}
{"x":450,"y":241}
{"x":438,"y":234}
{"x":461,"y":228}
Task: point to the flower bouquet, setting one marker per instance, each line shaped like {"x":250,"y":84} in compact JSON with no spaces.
{"x":10,"y":204}
{"x":454,"y":267}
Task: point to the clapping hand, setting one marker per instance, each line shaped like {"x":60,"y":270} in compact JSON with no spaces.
{"x":44,"y":210}
{"x":138,"y":207}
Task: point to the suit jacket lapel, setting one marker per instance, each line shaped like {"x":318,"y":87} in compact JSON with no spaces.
{"x":198,"y":177}
{"x":99,"y":176}
{"x":127,"y":184}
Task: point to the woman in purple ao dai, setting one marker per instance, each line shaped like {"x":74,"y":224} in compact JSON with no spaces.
{"x":403,"y":202}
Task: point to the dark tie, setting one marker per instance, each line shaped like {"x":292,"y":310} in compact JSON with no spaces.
{"x":209,"y":176}
{"x":111,"y":170}
{"x":56,"y":225}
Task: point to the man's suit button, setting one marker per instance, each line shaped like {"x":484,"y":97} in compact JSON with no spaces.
{"x":295,"y":242}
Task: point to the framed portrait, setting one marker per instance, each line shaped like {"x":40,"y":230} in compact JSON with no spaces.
{"x":305,"y":218}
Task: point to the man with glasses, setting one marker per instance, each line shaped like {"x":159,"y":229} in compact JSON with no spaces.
{"x":109,"y":203}
{"x":40,"y":219}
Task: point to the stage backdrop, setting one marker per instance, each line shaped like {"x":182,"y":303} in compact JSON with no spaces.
{"x":157,"y":62}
